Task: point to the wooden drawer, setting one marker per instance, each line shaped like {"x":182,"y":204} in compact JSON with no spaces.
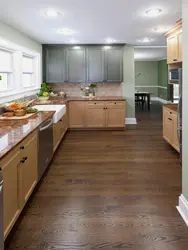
{"x":114,"y":104}
{"x":169,"y":112}
{"x":25,"y":142}
{"x":96,"y":104}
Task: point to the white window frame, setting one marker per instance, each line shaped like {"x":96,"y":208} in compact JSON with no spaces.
{"x":18,"y":90}
{"x":32,"y":73}
{"x":10,"y":73}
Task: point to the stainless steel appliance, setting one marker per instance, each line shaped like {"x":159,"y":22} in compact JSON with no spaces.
{"x":174,"y":76}
{"x":1,"y":213}
{"x":45,"y":146}
{"x":179,"y":120}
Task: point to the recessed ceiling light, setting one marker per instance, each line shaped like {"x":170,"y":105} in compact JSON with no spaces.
{"x":76,"y":47}
{"x":107,"y":47}
{"x":51,"y":13}
{"x":110,"y":40}
{"x":153,"y":12}
{"x":160,"y":30}
{"x":146,"y":40}
{"x":65,"y":31}
{"x":74,"y":41}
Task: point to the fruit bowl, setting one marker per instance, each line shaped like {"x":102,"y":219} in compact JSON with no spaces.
{"x":43,"y":98}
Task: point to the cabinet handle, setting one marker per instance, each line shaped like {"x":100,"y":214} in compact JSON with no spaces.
{"x":174,"y":60}
{"x":106,"y":108}
{"x":95,"y":103}
{"x":22,"y":161}
{"x":170,"y":112}
{"x":170,"y":119}
{"x":115,"y":103}
{"x":22,"y":147}
{"x":103,"y":108}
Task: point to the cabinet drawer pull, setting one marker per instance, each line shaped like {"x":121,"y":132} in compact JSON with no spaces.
{"x":170,"y":119}
{"x":174,"y":60}
{"x":115,"y":103}
{"x":24,"y":159}
{"x":22,"y":147}
{"x":170,"y":112}
{"x":104,"y":108}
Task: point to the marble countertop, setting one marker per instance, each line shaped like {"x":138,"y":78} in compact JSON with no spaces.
{"x":174,"y":107}
{"x":13,"y":132}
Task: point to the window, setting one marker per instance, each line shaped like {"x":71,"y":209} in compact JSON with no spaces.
{"x":20,"y":71}
{"x":28,"y":71}
{"x":6,"y":70}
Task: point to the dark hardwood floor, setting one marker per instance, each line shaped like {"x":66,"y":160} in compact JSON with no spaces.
{"x":108,"y":190}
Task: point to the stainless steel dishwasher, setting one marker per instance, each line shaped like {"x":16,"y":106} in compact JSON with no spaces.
{"x":1,"y":213}
{"x":45,"y":146}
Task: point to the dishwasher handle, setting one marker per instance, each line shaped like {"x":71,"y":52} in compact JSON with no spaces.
{"x":47,"y":126}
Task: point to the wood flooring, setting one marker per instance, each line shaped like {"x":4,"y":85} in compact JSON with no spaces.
{"x":108,"y":191}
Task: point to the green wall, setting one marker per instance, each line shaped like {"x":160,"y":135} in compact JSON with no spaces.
{"x":152,"y":76}
{"x":129,"y":80}
{"x":163,"y":79}
{"x":146,"y":77}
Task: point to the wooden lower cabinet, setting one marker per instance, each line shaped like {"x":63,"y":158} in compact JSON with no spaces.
{"x":170,"y":128}
{"x":28,"y":174}
{"x":115,"y":114}
{"x":19,"y":169}
{"x":95,"y":115}
{"x":59,"y":130}
{"x":11,"y":202}
{"x":77,"y":114}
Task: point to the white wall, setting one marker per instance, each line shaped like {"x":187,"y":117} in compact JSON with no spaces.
{"x":185,"y":95}
{"x":16,"y":36}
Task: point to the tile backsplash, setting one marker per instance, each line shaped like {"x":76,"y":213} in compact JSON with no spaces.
{"x":102,"y":89}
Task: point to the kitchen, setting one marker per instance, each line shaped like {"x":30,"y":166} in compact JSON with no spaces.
{"x":72,"y":165}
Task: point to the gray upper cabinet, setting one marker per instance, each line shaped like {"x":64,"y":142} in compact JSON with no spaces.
{"x":75,"y":65}
{"x":114,"y":65}
{"x":95,"y":64}
{"x":91,"y":63}
{"x":54,"y":64}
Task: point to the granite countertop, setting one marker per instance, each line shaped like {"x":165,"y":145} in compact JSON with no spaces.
{"x":13,"y":132}
{"x":174,"y":107}
{"x":62,"y":100}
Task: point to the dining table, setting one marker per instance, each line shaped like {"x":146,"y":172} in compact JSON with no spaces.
{"x":144,"y":96}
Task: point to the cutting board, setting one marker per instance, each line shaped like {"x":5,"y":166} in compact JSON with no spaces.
{"x":27,"y":116}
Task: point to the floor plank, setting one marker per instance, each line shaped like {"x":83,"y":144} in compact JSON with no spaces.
{"x":108,"y":190}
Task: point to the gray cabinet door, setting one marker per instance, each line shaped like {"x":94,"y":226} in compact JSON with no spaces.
{"x":75,"y":65}
{"x":55,"y":64}
{"x":95,"y":64}
{"x":114,"y":65}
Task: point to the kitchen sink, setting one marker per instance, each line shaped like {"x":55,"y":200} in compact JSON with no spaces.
{"x":60,"y":110}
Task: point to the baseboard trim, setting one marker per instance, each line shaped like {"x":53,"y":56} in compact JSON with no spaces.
{"x":183,"y":208}
{"x":129,"y":121}
{"x":159,"y":100}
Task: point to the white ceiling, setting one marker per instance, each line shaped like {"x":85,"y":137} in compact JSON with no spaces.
{"x":153,"y":53}
{"x":92,"y":20}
